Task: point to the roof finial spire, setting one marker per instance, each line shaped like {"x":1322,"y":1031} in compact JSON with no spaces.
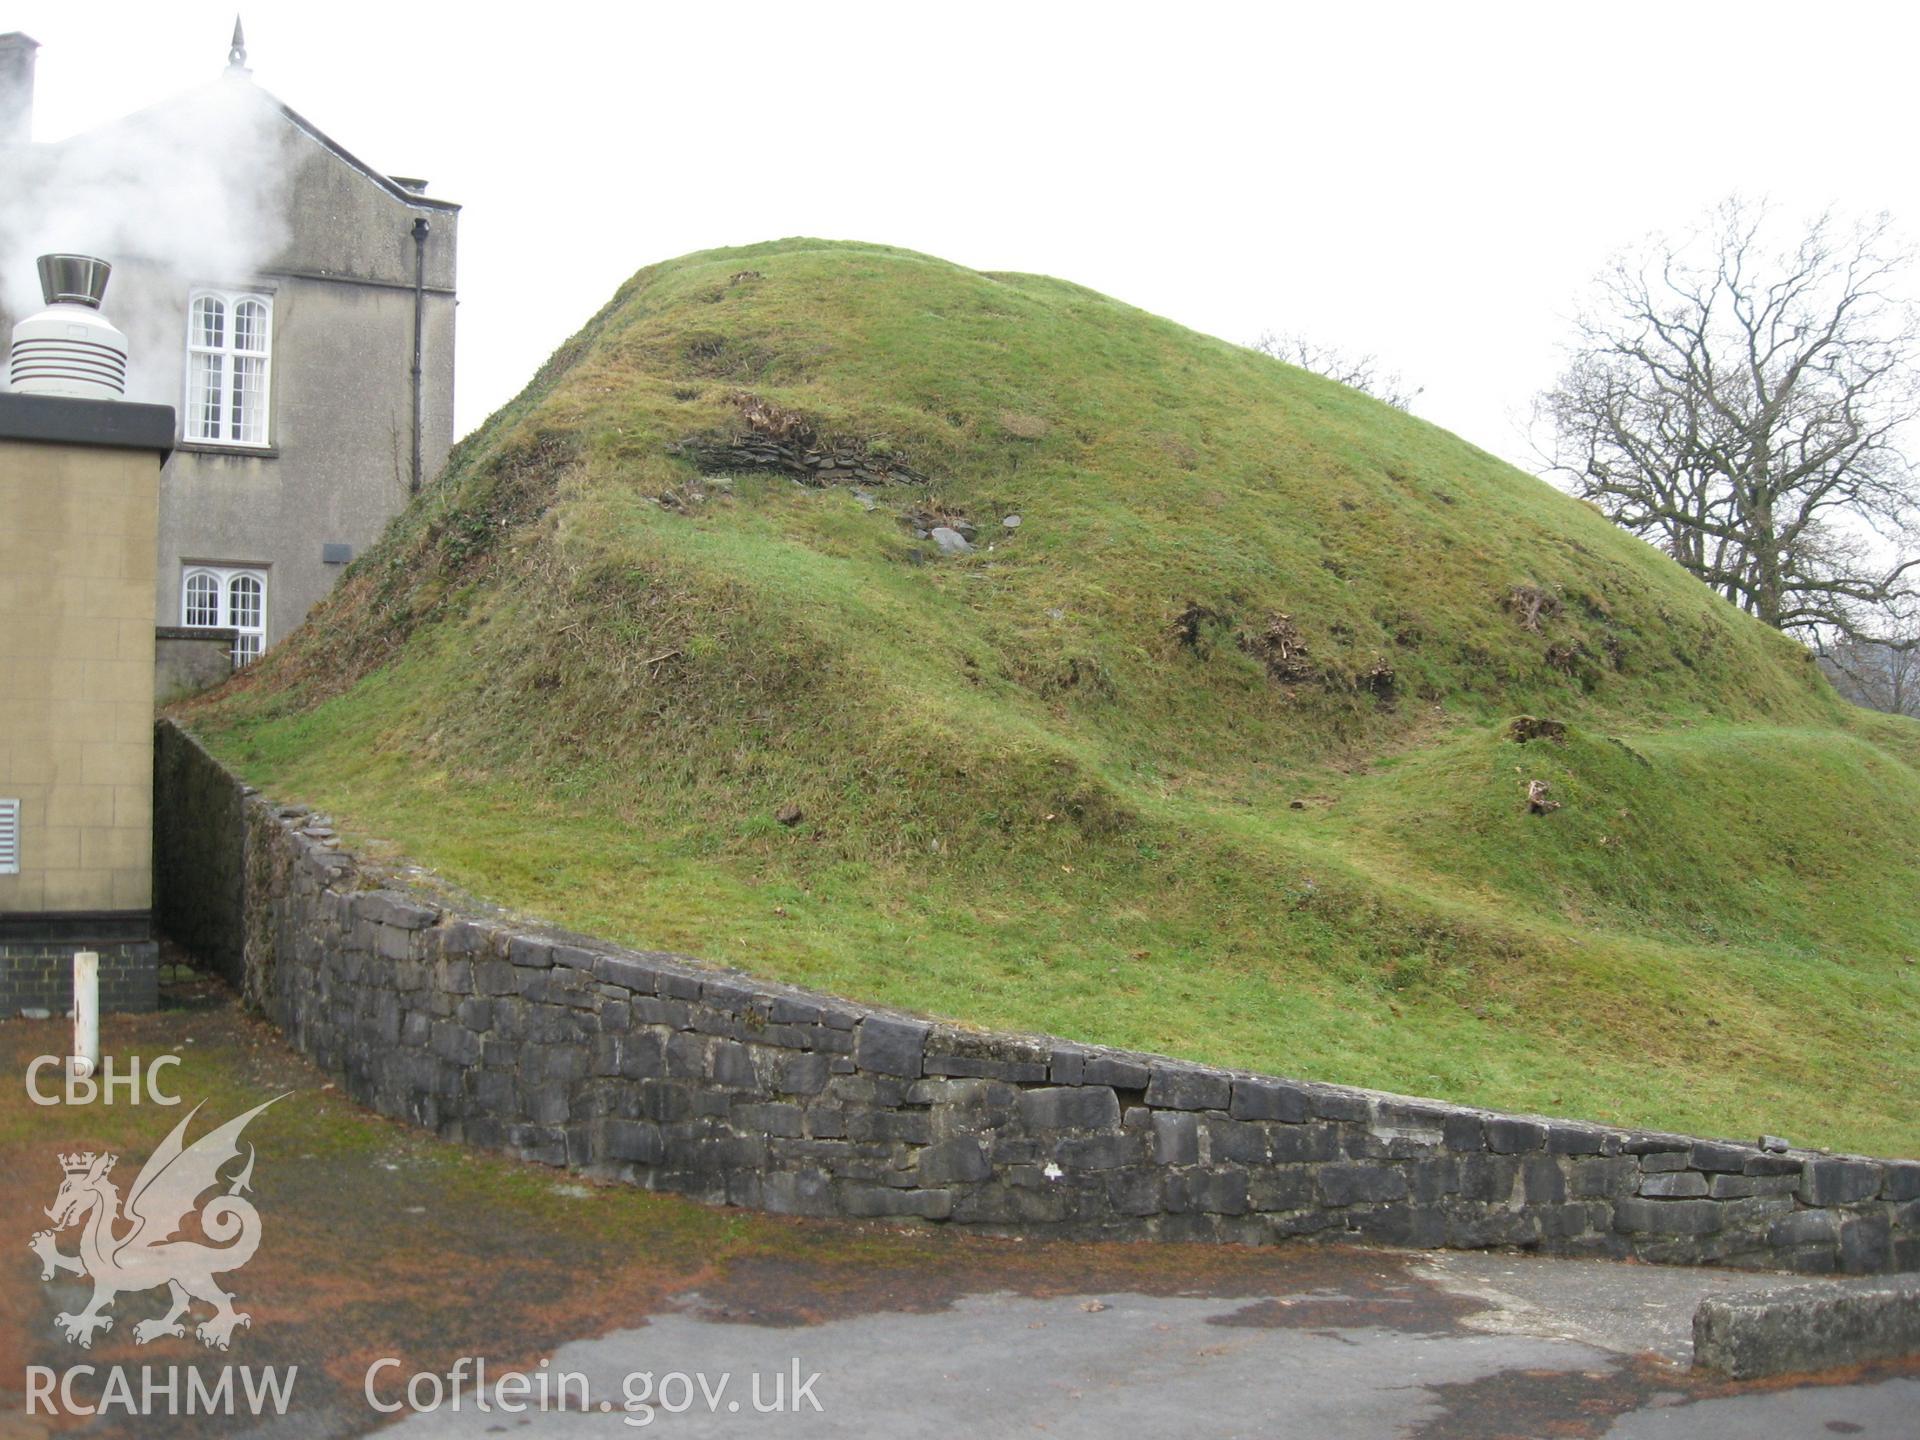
{"x":237,"y":55}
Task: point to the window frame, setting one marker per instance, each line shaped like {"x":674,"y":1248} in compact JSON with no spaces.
{"x":227,"y":355}
{"x":251,"y":639}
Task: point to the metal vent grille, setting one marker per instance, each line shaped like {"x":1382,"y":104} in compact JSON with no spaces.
{"x":9,"y":837}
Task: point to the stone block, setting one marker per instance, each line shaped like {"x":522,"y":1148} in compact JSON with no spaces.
{"x":800,"y":1074}
{"x":1176,"y":1138}
{"x":764,"y":1117}
{"x":807,"y":1191}
{"x":988,"y":1068}
{"x":1716,"y":1156}
{"x":1432,"y":1179}
{"x":785,"y":1008}
{"x":1603,"y":1176}
{"x":545,"y":1103}
{"x":456,"y":1043}
{"x":1738,"y":1187}
{"x":877,"y":1201}
{"x":1209,"y":1191}
{"x":736,"y":996}
{"x":389,"y":907}
{"x":1135,"y":1192}
{"x":1575,"y":1140}
{"x":642,"y":1056}
{"x":1464,"y":1130}
{"x":392,"y":942}
{"x":1070,"y":1107}
{"x":1902,"y":1181}
{"x":1509,"y":1135}
{"x":1655,"y":1142}
{"x":1479,"y":1227}
{"x":494,"y":1093}
{"x":913,"y":1127}
{"x":1067,"y":1065}
{"x":572,"y":957}
{"x":1666,"y":1217}
{"x":954,"y":1161}
{"x":533,"y":954}
{"x":634,"y":1141}
{"x":668,"y":1014}
{"x":1419,"y":1227}
{"x":674,"y":982}
{"x":1236,"y":1141}
{"x":890,"y":1047}
{"x":1784,"y":1332}
{"x":1543,"y":1181}
{"x":1257,"y":1099}
{"x":1866,"y":1244}
{"x":1298,"y":1144}
{"x":1348,"y":1184}
{"x":493,"y":977}
{"x":1100,"y":1152}
{"x":626,"y":972}
{"x":1680,"y":1185}
{"x":1174,"y":1086}
{"x":732,"y":1065}
{"x":1115,"y":1070}
{"x":1281,"y":1187}
{"x":1336,"y":1103}
{"x":1839,"y":1182}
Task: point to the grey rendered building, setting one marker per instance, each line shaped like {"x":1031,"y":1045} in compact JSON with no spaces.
{"x":308,"y":346}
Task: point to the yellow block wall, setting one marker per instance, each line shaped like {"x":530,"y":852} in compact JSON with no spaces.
{"x":78,"y":531}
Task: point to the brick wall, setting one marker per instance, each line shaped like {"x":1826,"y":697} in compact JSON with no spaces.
{"x":38,"y":975}
{"x":668,"y":1073}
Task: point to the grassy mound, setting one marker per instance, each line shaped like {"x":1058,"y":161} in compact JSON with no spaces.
{"x":1213,"y":751}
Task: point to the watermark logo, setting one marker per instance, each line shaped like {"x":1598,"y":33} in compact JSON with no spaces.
{"x":80,"y":1085}
{"x":138,"y":1246}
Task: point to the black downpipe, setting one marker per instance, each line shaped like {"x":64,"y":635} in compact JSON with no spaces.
{"x":419,"y":338}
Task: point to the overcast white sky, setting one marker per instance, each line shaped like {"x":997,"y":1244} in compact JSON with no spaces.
{"x":1432,"y":182}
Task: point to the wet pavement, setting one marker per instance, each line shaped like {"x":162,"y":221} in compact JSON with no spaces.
{"x":389,"y":1253}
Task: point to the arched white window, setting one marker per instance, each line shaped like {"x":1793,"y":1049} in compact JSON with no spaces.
{"x":229,"y":366}
{"x":246,"y":605}
{"x":222,"y":598}
{"x":202,"y":606}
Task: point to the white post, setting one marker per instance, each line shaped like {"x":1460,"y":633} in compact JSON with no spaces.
{"x":86,"y":1013}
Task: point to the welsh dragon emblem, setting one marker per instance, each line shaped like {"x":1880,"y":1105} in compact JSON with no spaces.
{"x":141,"y":1247}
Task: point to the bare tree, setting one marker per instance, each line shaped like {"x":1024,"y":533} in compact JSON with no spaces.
{"x":1362,"y":372}
{"x":1879,"y":674}
{"x":1744,"y":406}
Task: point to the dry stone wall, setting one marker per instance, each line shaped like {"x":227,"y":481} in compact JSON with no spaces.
{"x":659,"y":1070}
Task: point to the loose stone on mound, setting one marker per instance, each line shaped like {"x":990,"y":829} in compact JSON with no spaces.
{"x":950,"y":541}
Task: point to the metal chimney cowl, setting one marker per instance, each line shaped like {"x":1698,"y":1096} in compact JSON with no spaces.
{"x":70,"y":348}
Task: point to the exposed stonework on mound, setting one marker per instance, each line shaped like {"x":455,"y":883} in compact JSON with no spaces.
{"x":675,"y":1075}
{"x":775,"y":438}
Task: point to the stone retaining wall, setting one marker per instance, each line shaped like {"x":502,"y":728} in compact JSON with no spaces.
{"x":665,"y":1072}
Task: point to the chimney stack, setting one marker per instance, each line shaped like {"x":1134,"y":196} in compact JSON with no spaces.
{"x":16,"y":88}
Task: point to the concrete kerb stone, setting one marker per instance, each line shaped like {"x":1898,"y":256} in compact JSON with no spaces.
{"x":1807,"y":1328}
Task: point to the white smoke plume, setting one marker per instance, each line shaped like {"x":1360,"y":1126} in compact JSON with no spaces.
{"x":191,"y":191}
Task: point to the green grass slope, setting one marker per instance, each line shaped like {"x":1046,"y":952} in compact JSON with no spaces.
{"x":1211,"y":754}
